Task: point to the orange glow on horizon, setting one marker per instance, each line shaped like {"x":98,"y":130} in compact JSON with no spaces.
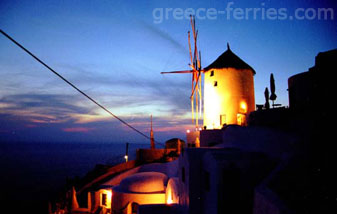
{"x":78,"y":129}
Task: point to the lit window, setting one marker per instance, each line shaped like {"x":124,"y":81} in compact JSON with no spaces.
{"x":215,"y":83}
{"x":105,"y":198}
{"x":104,"y":201}
{"x":241,"y":119}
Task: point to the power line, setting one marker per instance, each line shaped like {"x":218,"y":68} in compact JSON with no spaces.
{"x":72,"y":85}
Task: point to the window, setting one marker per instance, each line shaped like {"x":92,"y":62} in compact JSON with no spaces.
{"x":183,"y":174}
{"x":212,"y":73}
{"x":105,"y":197}
{"x":104,"y":201}
{"x":215,"y":83}
{"x":134,"y":208}
{"x":241,"y":119}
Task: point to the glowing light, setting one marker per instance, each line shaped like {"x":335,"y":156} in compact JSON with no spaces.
{"x":243,"y":107}
{"x":188,"y":131}
{"x":169,"y":199}
{"x":126,"y":158}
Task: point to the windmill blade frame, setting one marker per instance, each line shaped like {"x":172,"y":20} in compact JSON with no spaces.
{"x":177,"y":72}
{"x":196,"y":70}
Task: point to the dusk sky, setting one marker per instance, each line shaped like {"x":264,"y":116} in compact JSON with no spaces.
{"x":115,"y":50}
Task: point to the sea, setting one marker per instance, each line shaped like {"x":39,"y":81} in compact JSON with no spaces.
{"x":31,"y":174}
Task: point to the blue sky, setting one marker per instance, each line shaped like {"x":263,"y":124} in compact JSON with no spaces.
{"x":114,"y":51}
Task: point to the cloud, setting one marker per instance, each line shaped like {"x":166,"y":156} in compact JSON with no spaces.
{"x":17,"y":129}
{"x":43,"y":108}
{"x":55,"y":117}
{"x":65,"y":115}
{"x":128,"y":89}
{"x":77,"y":129}
{"x":166,"y":36}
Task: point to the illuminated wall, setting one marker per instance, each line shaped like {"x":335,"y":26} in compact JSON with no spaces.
{"x":123,"y":202}
{"x":137,"y":189}
{"x":172,"y":191}
{"x":228,"y":96}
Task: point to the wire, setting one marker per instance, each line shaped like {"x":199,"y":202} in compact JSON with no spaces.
{"x":72,"y":85}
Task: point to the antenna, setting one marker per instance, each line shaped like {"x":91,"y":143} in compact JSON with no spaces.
{"x":151,"y":136}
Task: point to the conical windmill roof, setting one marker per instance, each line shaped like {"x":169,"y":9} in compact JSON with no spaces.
{"x":229,"y":60}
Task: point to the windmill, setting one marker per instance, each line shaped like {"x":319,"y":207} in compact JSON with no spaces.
{"x":195,"y":65}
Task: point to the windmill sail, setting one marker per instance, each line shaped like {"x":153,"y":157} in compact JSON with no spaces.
{"x":178,"y":72}
{"x":195,"y":65}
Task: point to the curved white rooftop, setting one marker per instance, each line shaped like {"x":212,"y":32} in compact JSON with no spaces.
{"x":170,"y":169}
{"x":144,"y":182}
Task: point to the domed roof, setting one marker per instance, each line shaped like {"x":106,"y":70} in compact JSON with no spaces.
{"x":144,"y":182}
{"x":173,"y":143}
{"x":229,"y":60}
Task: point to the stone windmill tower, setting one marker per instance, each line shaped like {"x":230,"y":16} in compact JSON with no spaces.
{"x":228,"y":95}
{"x":228,"y":91}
